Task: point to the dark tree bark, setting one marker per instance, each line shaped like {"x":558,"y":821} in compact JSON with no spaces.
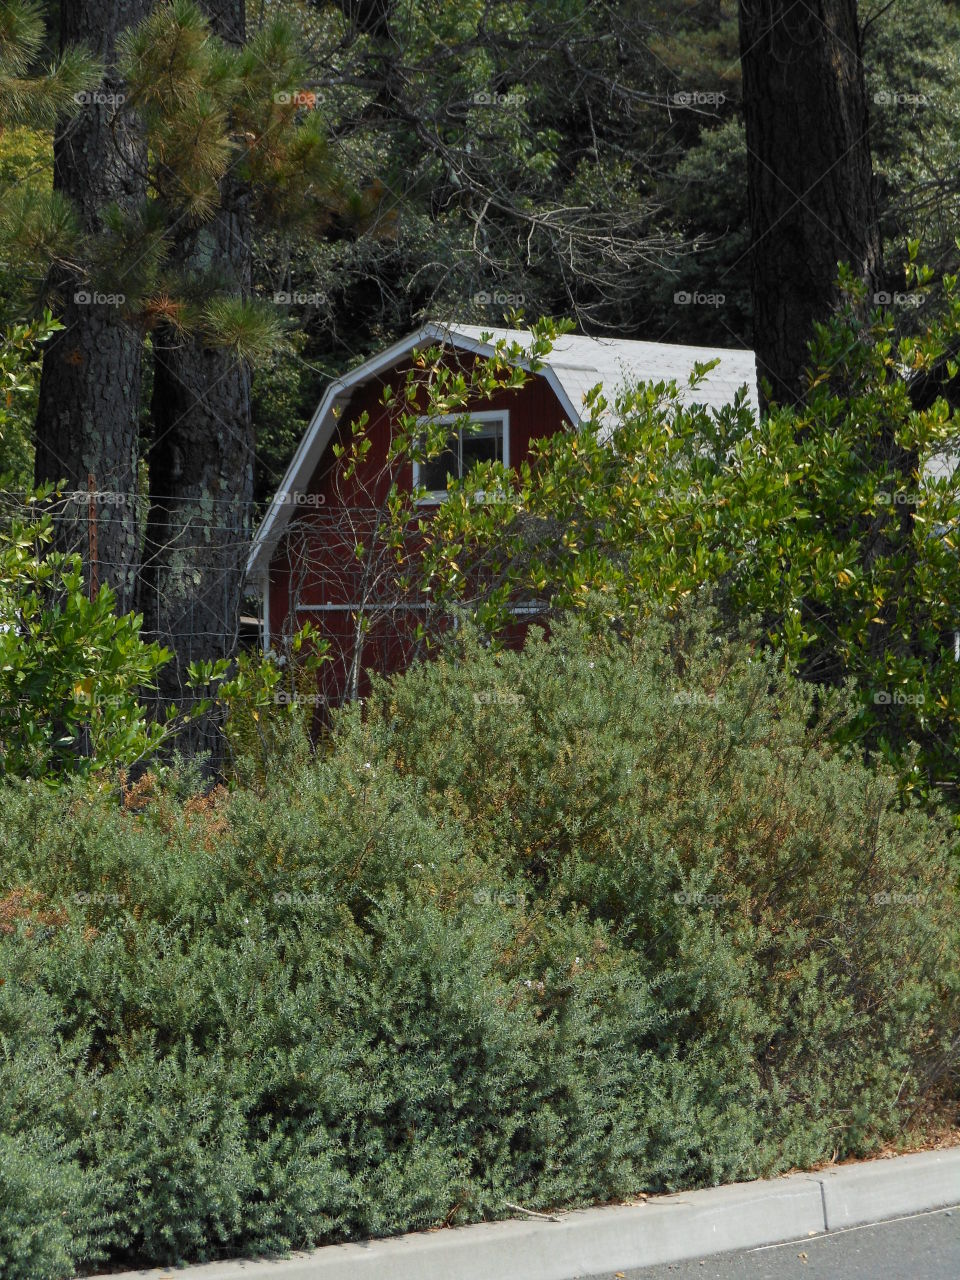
{"x":201,"y":457}
{"x":89,"y":402}
{"x":810,"y":176}
{"x":372,"y":17}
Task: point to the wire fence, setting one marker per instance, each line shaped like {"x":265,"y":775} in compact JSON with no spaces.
{"x":334,"y":567}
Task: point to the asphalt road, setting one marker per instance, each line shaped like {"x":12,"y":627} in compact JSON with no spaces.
{"x":925,"y":1247}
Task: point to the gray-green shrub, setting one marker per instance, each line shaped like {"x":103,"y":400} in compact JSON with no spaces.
{"x":546,"y":927}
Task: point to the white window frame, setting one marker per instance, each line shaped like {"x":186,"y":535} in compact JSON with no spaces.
{"x":451,"y":419}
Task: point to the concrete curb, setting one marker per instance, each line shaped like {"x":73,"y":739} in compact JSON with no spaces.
{"x":854,"y":1194}
{"x":591,"y":1242}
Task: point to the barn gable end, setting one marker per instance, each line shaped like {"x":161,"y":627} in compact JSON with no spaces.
{"x":301,"y":563}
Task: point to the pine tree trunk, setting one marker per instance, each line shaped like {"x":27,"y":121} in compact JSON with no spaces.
{"x":201,"y":460}
{"x":810,"y":176}
{"x":89,"y":403}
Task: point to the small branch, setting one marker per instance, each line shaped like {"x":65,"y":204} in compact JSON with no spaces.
{"x":532,"y":1213}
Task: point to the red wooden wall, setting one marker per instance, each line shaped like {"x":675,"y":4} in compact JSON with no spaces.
{"x":314,"y":563}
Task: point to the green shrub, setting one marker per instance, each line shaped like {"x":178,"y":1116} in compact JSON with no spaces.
{"x":821,"y":519}
{"x":50,"y":1208}
{"x":629,"y":781}
{"x":71,"y":670}
{"x":551,"y":928}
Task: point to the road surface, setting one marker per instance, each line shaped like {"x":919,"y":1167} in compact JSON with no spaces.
{"x":923,"y":1247}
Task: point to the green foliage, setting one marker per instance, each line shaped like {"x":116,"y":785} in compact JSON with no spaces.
{"x":283,"y":398}
{"x":549,"y":927}
{"x":71,"y":670}
{"x":249,"y":329}
{"x":27,"y":98}
{"x":685,"y":772}
{"x":493,"y":181}
{"x":599,"y":199}
{"x":212,"y":113}
{"x":37,"y":227}
{"x":25,"y":156}
{"x":38,"y":1192}
{"x":706,"y":194}
{"x":270,"y":707}
{"x":19,"y":385}
{"x":179,"y":81}
{"x":912,"y":63}
{"x":826,"y":521}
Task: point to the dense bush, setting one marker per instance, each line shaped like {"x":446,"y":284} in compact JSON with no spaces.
{"x":834,"y":521}
{"x":71,"y":670}
{"x":549,"y":928}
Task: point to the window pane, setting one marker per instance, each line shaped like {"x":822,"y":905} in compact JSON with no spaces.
{"x":434,"y":472}
{"x":483,"y":445}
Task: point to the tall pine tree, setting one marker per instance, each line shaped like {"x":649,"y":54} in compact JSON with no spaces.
{"x":202,"y":448}
{"x":160,"y":179}
{"x":246,"y":140}
{"x":89,"y":410}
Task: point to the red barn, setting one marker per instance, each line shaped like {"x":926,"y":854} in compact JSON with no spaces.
{"x":304,"y":563}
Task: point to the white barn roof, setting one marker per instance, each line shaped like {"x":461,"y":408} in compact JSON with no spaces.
{"x":574,"y":366}
{"x":579,"y":363}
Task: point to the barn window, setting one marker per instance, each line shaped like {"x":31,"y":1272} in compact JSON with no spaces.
{"x":486,"y":439}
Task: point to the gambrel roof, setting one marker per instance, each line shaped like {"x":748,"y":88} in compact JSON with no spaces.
{"x":574,"y":366}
